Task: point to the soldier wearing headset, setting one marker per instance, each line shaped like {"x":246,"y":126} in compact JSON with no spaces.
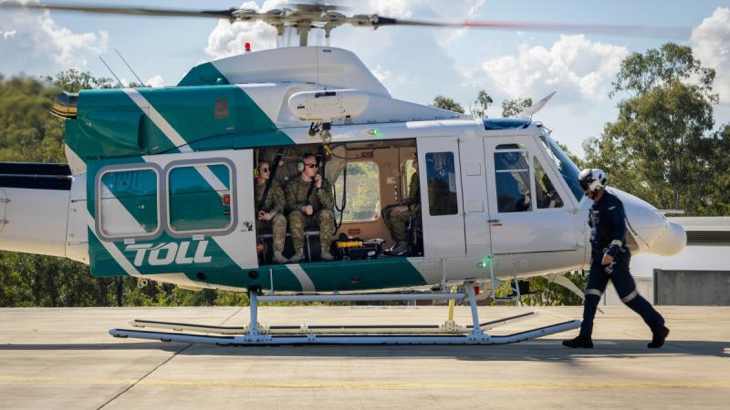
{"x":610,"y":261}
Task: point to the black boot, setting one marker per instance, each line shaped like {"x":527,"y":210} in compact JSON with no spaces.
{"x":579,"y":342}
{"x":658,"y":338}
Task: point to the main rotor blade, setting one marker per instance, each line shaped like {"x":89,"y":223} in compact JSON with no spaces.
{"x":618,"y":30}
{"x":122,"y":10}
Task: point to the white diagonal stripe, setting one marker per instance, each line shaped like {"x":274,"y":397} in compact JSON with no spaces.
{"x":114,"y":251}
{"x":304,"y":280}
{"x":158,"y":120}
{"x":173,"y":136}
{"x":211,"y":179}
{"x":117,"y":215}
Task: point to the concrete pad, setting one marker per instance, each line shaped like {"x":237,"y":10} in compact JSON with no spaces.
{"x":64,"y":358}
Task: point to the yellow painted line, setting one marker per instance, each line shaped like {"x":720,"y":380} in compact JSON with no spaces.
{"x":706,"y":384}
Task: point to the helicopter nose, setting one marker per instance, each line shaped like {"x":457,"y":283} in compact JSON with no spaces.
{"x":652,"y":231}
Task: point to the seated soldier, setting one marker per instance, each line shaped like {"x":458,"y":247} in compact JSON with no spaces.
{"x":396,"y":217}
{"x":310,"y":201}
{"x":271,"y":213}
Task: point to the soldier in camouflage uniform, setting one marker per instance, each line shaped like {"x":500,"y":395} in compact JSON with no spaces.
{"x":397,"y":217}
{"x":272,"y":214}
{"x":317,"y":212}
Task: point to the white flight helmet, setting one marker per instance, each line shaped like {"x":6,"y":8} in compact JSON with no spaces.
{"x":593,"y":180}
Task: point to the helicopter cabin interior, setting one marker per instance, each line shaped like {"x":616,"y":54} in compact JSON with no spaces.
{"x":365,"y":177}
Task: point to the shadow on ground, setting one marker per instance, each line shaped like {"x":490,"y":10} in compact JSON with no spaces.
{"x":541,"y":350}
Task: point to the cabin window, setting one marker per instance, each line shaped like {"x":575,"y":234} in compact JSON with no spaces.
{"x":547,"y":196}
{"x":200,"y":198}
{"x":128,"y":203}
{"x":363,"y":192}
{"x":512,"y":173}
{"x":441,"y":176}
{"x":221,"y":109}
{"x":408,"y":172}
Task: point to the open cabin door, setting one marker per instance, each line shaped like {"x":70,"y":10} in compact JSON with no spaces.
{"x":188,"y":213}
{"x":529,"y":210}
{"x":442,"y":207}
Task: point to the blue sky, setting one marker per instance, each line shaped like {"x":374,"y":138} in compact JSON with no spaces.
{"x":415,"y":64}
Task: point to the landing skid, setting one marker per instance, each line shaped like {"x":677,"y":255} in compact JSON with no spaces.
{"x":448,"y":333}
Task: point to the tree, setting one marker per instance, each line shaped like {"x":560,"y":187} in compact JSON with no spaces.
{"x":512,"y":107}
{"x":660,"y":147}
{"x":447,"y":103}
{"x":483,"y":101}
{"x":74,"y":81}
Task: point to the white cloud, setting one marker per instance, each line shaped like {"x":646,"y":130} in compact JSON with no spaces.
{"x":156,"y":81}
{"x":580,"y":69}
{"x":229,"y":39}
{"x":711,"y":45}
{"x":33,"y":43}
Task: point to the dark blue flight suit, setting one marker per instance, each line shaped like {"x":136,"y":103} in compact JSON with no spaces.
{"x":608,"y":236}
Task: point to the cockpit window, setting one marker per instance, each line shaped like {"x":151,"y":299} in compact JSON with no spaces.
{"x":568,"y":169}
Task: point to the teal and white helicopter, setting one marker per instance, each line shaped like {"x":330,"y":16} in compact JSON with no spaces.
{"x":159,"y":186}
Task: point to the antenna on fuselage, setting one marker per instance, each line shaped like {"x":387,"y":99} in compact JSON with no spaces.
{"x":130,"y":68}
{"x":112,"y":71}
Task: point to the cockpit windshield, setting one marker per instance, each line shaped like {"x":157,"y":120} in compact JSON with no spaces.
{"x":568,"y":169}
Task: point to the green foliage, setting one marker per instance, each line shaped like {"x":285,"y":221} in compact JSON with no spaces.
{"x":481,"y":104}
{"x":549,"y":293}
{"x":363,"y":191}
{"x":447,"y":103}
{"x":74,"y":81}
{"x":661,"y":148}
{"x":512,"y":107}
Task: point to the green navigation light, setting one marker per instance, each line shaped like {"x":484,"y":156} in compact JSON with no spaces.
{"x":486,"y":260}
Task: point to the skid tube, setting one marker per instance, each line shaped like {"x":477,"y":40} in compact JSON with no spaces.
{"x":255,"y":334}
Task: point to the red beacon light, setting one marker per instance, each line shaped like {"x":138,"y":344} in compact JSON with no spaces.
{"x":247,"y":47}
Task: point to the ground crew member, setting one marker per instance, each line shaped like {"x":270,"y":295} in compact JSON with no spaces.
{"x":396,"y":218}
{"x":271,"y":214}
{"x":310,"y":205}
{"x":610,"y":261}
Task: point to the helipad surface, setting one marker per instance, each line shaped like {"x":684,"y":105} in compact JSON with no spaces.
{"x":64,"y":359}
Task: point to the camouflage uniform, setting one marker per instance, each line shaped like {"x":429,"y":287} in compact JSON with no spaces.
{"x":397,"y":224}
{"x":322,"y":203}
{"x":275,"y":205}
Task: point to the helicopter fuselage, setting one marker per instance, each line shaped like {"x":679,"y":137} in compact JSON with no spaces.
{"x":162,"y":184}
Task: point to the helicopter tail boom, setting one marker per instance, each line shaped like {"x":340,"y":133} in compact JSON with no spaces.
{"x":34,"y":200}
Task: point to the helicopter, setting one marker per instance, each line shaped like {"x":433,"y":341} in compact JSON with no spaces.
{"x":159,"y":186}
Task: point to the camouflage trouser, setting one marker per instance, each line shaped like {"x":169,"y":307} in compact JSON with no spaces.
{"x":324,"y":219}
{"x":277,"y":224}
{"x":397,"y":224}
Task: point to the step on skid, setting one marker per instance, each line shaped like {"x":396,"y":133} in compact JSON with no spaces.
{"x":448,"y":333}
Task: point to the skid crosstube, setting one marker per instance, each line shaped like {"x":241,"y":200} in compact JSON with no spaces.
{"x":245,"y":340}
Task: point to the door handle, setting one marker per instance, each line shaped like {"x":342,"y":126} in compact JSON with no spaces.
{"x":494,"y":221}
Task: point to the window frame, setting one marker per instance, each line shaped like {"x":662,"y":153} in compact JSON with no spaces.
{"x":378,"y":215}
{"x":233,"y":192}
{"x":535,"y":158}
{"x":97,"y":199}
{"x":530,"y":175}
{"x":454,"y":161}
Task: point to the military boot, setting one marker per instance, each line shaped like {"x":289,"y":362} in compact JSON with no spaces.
{"x":327,"y":256}
{"x":298,"y":257}
{"x":279,"y":258}
{"x":579,"y":341}
{"x":658,"y":338}
{"x":400,"y":249}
